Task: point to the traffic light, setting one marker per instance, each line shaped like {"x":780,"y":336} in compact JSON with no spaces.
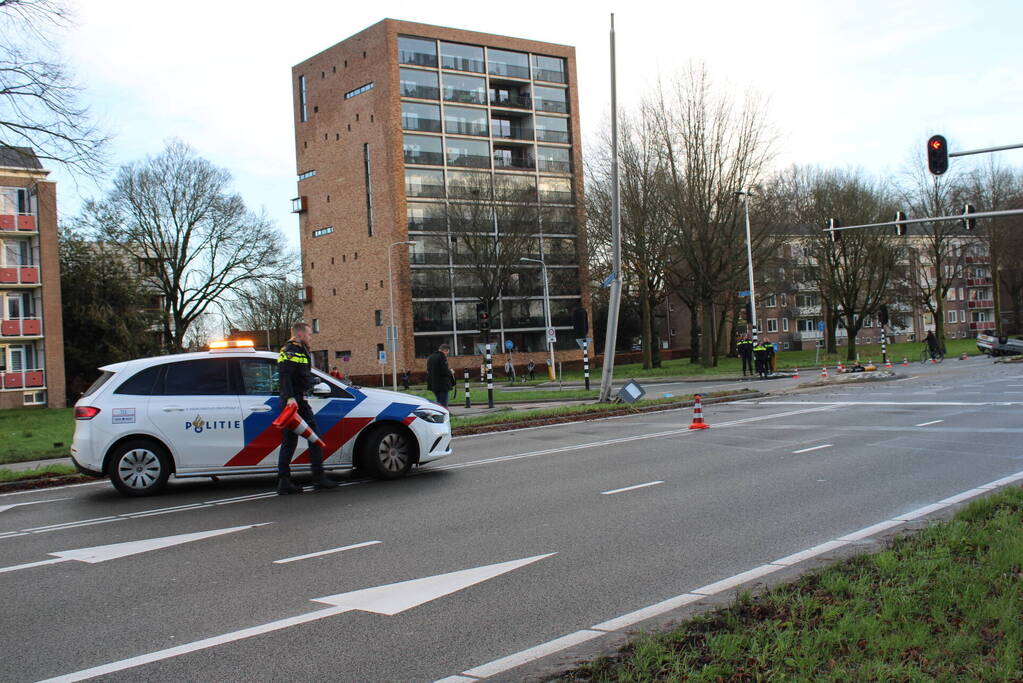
{"x":749,"y":312}
{"x":969,"y":223}
{"x":882,"y":314}
{"x":937,"y":154}
{"x":833,"y":226}
{"x":482,"y":318}
{"x":580,"y":323}
{"x":900,"y":228}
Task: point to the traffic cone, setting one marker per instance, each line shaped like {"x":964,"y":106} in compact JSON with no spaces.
{"x":796,"y":375}
{"x":290,"y":420}
{"x":840,"y":368}
{"x":964,"y":356}
{"x":698,"y":422}
{"x":905,"y":362}
{"x":824,"y":373}
{"x":888,"y":364}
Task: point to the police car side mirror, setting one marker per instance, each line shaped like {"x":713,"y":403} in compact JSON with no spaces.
{"x":321,"y":389}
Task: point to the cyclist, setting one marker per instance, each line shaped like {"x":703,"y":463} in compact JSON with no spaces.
{"x":933,"y":348}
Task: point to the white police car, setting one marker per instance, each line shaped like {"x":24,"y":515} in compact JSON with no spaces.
{"x":209,"y":414}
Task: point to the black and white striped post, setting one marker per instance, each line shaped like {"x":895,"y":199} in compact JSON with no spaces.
{"x":586,"y":363}
{"x":490,"y":377}
{"x":468,"y":400}
{"x":884,"y":346}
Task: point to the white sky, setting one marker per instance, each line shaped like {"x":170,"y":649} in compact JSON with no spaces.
{"x":849,"y":83}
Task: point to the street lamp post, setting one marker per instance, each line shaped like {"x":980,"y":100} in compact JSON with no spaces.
{"x":392,"y":329}
{"x":546,"y":312}
{"x":749,"y":262}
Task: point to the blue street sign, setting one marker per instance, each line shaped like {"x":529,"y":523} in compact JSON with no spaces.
{"x":509,"y":344}
{"x":744,"y":292}
{"x":608,"y":280}
{"x":820,"y":325}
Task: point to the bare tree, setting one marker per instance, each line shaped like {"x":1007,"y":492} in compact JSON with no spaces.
{"x":713,"y":148}
{"x":175,"y":212}
{"x":269,"y":305}
{"x":40,"y":103}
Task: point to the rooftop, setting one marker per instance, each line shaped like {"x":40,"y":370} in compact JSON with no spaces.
{"x":19,"y":157}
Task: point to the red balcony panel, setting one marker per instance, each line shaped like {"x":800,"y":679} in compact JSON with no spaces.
{"x":34,"y":378}
{"x":12,"y":380}
{"x":8,"y":276}
{"x":31,"y":327}
{"x":10,"y":328}
{"x":982,"y":326}
{"x":7,"y":222}
{"x":26,"y":222}
{"x":980,"y":303}
{"x":30,"y":274}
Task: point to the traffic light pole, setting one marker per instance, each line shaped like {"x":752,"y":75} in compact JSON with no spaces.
{"x":749,"y":265}
{"x":933,"y":219}
{"x":984,"y":150}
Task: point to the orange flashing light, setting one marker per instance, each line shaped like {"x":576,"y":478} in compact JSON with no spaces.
{"x":231,"y":344}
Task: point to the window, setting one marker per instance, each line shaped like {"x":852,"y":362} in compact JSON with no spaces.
{"x":259,"y":377}
{"x":555,"y":190}
{"x":322,"y":231}
{"x":307,"y":174}
{"x":431,"y":316}
{"x":504,"y":63}
{"x":369,"y":188}
{"x":770,"y":301}
{"x":142,"y":383}
{"x":424,"y":183}
{"x":951,"y":295}
{"x":553,"y":159}
{"x":549,"y":69}
{"x":303,"y":115}
{"x":772,"y":325}
{"x":784,"y":324}
{"x":422,"y":149}
{"x":550,"y":99}
{"x":418,"y":51}
{"x":952,"y":317}
{"x":784,"y":299}
{"x":20,"y":305}
{"x":421,"y":84}
{"x":358,"y":91}
{"x":465,"y":120}
{"x":868,"y":321}
{"x":551,"y":129}
{"x":461,"y":57}
{"x":807,"y":324}
{"x":421,"y":117}
{"x":378,"y":318}
{"x":464,"y":89}
{"x":806,"y":300}
{"x":17,"y":253}
{"x":34,"y":398}
{"x":206,"y":377}
{"x":468,"y":153}
{"x":316,"y":325}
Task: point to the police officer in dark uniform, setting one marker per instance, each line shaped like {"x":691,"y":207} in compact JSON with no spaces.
{"x":745,"y":349}
{"x":760,"y":356}
{"x":294,"y":370}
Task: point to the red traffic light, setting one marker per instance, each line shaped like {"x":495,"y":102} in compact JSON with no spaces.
{"x":937,"y":143}
{"x":937,"y":154}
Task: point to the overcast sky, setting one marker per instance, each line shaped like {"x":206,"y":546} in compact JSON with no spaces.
{"x":851,"y":84}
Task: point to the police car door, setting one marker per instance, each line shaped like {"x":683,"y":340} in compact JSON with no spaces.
{"x":260,"y":404}
{"x":198,"y":413}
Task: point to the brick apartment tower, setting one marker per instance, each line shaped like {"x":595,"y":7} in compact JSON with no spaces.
{"x":31,"y":331}
{"x":387,"y":123}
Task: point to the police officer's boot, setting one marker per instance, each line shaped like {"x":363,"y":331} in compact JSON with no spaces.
{"x":285,"y":487}
{"x":322,"y":481}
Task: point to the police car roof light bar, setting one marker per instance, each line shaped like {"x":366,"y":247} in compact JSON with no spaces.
{"x":231,"y":344}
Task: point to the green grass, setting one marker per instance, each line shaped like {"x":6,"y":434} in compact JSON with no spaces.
{"x":479,"y":393}
{"x":31,"y":433}
{"x":941,"y":605}
{"x":51,"y":470}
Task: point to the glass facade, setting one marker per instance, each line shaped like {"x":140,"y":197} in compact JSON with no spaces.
{"x":493,"y":107}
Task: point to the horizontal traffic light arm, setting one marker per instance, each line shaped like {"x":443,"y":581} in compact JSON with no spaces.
{"x":985,"y":150}
{"x":934,"y":219}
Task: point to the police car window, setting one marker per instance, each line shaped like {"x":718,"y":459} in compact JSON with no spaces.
{"x":141,"y":383}
{"x":206,"y":377}
{"x":100,"y":381}
{"x":335,"y":390}
{"x":259,"y":377}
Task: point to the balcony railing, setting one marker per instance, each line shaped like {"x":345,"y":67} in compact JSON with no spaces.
{"x":429,"y":258}
{"x":465,"y":96}
{"x":417,"y":58}
{"x":980,"y":303}
{"x":22,"y":379}
{"x":421,"y":124}
{"x":546,"y":135}
{"x":462,"y":63}
{"x":549,"y":76}
{"x":559,"y":227}
{"x":505,"y":162}
{"x":427,"y":223}
{"x":557,"y":106}
{"x":424,"y":190}
{"x":514,"y":134}
{"x":552,"y":166}
{"x":21,"y":222}
{"x":422,"y":92}
{"x":428,"y":158}
{"x":21,"y":327}
{"x":431,"y":324}
{"x":555,"y":197}
{"x":512,"y":101}
{"x":469,"y":160}
{"x":510,"y":70}
{"x":19,"y":275}
{"x":978,"y":281}
{"x":460,"y":128}
{"x":983,"y":326}
{"x":983,"y":260}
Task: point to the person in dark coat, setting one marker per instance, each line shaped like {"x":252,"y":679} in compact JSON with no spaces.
{"x":745,"y":349}
{"x":404,"y":380}
{"x":932,"y":344}
{"x":760,"y":357}
{"x":439,"y":379}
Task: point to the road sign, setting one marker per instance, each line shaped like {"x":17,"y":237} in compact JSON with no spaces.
{"x":392,"y":338}
{"x":509,"y":344}
{"x":820,"y":325}
{"x":552,"y":335}
{"x":382,"y":357}
{"x":588,"y":339}
{"x":608,"y":280}
{"x":744,"y":292}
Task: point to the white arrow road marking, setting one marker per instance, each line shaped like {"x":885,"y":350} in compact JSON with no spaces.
{"x":813,"y":448}
{"x":5,"y":508}
{"x":102,"y":553}
{"x":630,"y":488}
{"x":391,"y":599}
{"x":321,"y":553}
{"x":932,"y":422}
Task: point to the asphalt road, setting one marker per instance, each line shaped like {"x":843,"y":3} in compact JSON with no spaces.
{"x":771,"y":477}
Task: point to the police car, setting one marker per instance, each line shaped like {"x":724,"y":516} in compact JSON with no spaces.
{"x":209,"y":414}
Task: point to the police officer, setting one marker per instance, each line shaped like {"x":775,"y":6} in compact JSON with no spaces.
{"x":745,"y":349}
{"x":294,"y":369}
{"x":760,"y":356}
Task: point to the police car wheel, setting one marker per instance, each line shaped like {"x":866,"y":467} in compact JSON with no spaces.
{"x":388,"y":453}
{"x":139,"y":468}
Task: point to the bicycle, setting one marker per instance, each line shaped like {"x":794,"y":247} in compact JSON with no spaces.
{"x":926,"y":356}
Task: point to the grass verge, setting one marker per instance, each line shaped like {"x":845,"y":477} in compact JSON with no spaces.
{"x":37,"y":473}
{"x":35,"y":433}
{"x":940,"y":605}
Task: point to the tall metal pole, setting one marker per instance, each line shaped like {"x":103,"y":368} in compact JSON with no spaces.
{"x":749,"y":262}
{"x":611,"y":336}
{"x":392,"y":330}
{"x":546,"y":313}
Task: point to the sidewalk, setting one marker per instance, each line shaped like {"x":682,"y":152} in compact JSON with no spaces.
{"x":34,"y":464}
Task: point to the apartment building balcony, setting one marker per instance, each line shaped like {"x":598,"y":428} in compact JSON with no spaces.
{"x":513,"y":158}
{"x":20,"y":275}
{"x":510,"y":101}
{"x":18,"y":222}
{"x":21,"y":327}
{"x":22,"y":379}
{"x":978,"y":282}
{"x":980,"y":260}
{"x":980,"y":303}
{"x":983,"y":326}
{"x":806,"y":311}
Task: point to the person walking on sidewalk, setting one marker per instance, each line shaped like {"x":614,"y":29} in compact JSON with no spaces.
{"x":439,"y":379}
{"x":531,"y":369}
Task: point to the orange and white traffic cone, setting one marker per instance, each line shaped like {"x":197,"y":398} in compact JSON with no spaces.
{"x":888,"y":364}
{"x":964,"y":356}
{"x":840,"y":368}
{"x":796,"y":375}
{"x":290,"y":420}
{"x":824,"y":372}
{"x":698,"y":422}
{"x":905,"y":362}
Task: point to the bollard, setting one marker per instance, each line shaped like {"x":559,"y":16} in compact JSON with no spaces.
{"x":468,"y":400}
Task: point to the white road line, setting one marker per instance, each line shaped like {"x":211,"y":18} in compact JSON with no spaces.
{"x":892,"y":403}
{"x":321,"y":553}
{"x":29,"y":565}
{"x":54,"y":488}
{"x":624,"y":621}
{"x":5,"y":508}
{"x":630,"y":488}
{"x":813,"y":448}
{"x":926,"y":424}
